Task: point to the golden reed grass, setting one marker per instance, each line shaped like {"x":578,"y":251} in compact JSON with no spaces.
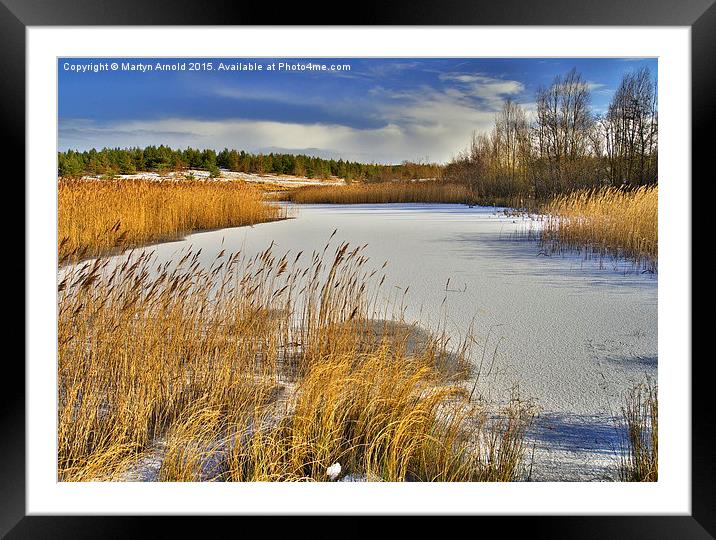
{"x":640,"y":418}
{"x":271,"y":187}
{"x":102,"y":216}
{"x":261,"y":368}
{"x":605,"y":221}
{"x":381,"y":193}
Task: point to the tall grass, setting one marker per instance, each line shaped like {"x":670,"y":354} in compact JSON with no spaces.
{"x":381,"y":193}
{"x":102,"y":216}
{"x":606,"y":221}
{"x":640,"y":416}
{"x":262,"y":368}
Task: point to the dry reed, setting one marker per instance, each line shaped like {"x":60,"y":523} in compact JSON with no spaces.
{"x":261,"y":368}
{"x":605,"y":221}
{"x":103,"y":216}
{"x":640,"y":417}
{"x":382,"y":193}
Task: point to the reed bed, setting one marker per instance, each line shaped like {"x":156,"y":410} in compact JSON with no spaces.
{"x":270,"y":187}
{"x":640,"y":418}
{"x":608,"y":221}
{"x":382,"y":193}
{"x":97,"y":217}
{"x":268,"y":368}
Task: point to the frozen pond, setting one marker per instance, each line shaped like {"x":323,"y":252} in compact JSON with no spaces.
{"x":571,"y":334}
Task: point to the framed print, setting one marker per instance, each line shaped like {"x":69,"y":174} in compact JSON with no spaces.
{"x":385,"y":268}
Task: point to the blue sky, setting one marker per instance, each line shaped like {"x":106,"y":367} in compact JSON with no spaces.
{"x":379,"y":110}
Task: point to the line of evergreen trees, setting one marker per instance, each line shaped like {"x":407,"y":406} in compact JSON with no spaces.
{"x":163,"y":159}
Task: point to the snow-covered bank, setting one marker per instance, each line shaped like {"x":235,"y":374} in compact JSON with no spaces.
{"x":227,"y":176}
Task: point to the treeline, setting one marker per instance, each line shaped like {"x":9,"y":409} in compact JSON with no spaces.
{"x":162,"y":159}
{"x":566,"y":146}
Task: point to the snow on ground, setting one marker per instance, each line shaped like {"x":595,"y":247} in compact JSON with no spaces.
{"x":571,"y":334}
{"x":147,"y":467}
{"x":226,"y":176}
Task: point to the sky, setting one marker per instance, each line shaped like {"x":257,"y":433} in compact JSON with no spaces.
{"x":373,"y":110}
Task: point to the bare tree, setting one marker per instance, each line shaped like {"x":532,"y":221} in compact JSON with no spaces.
{"x":565,"y":147}
{"x":630,"y":130}
{"x":512,"y":141}
{"x":563,"y":128}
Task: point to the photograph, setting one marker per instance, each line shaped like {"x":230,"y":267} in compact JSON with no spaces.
{"x":422,"y":259}
{"x":357,"y":269}
{"x":432,"y":263}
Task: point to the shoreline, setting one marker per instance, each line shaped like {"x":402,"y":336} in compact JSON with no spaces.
{"x":181,"y":237}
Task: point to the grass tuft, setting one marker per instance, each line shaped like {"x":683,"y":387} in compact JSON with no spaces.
{"x":640,"y":416}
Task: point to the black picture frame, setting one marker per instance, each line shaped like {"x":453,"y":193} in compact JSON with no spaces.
{"x":699,"y":15}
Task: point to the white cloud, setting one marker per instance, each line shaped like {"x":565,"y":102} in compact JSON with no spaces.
{"x":418,"y":123}
{"x":389,"y":144}
{"x":493,"y":91}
